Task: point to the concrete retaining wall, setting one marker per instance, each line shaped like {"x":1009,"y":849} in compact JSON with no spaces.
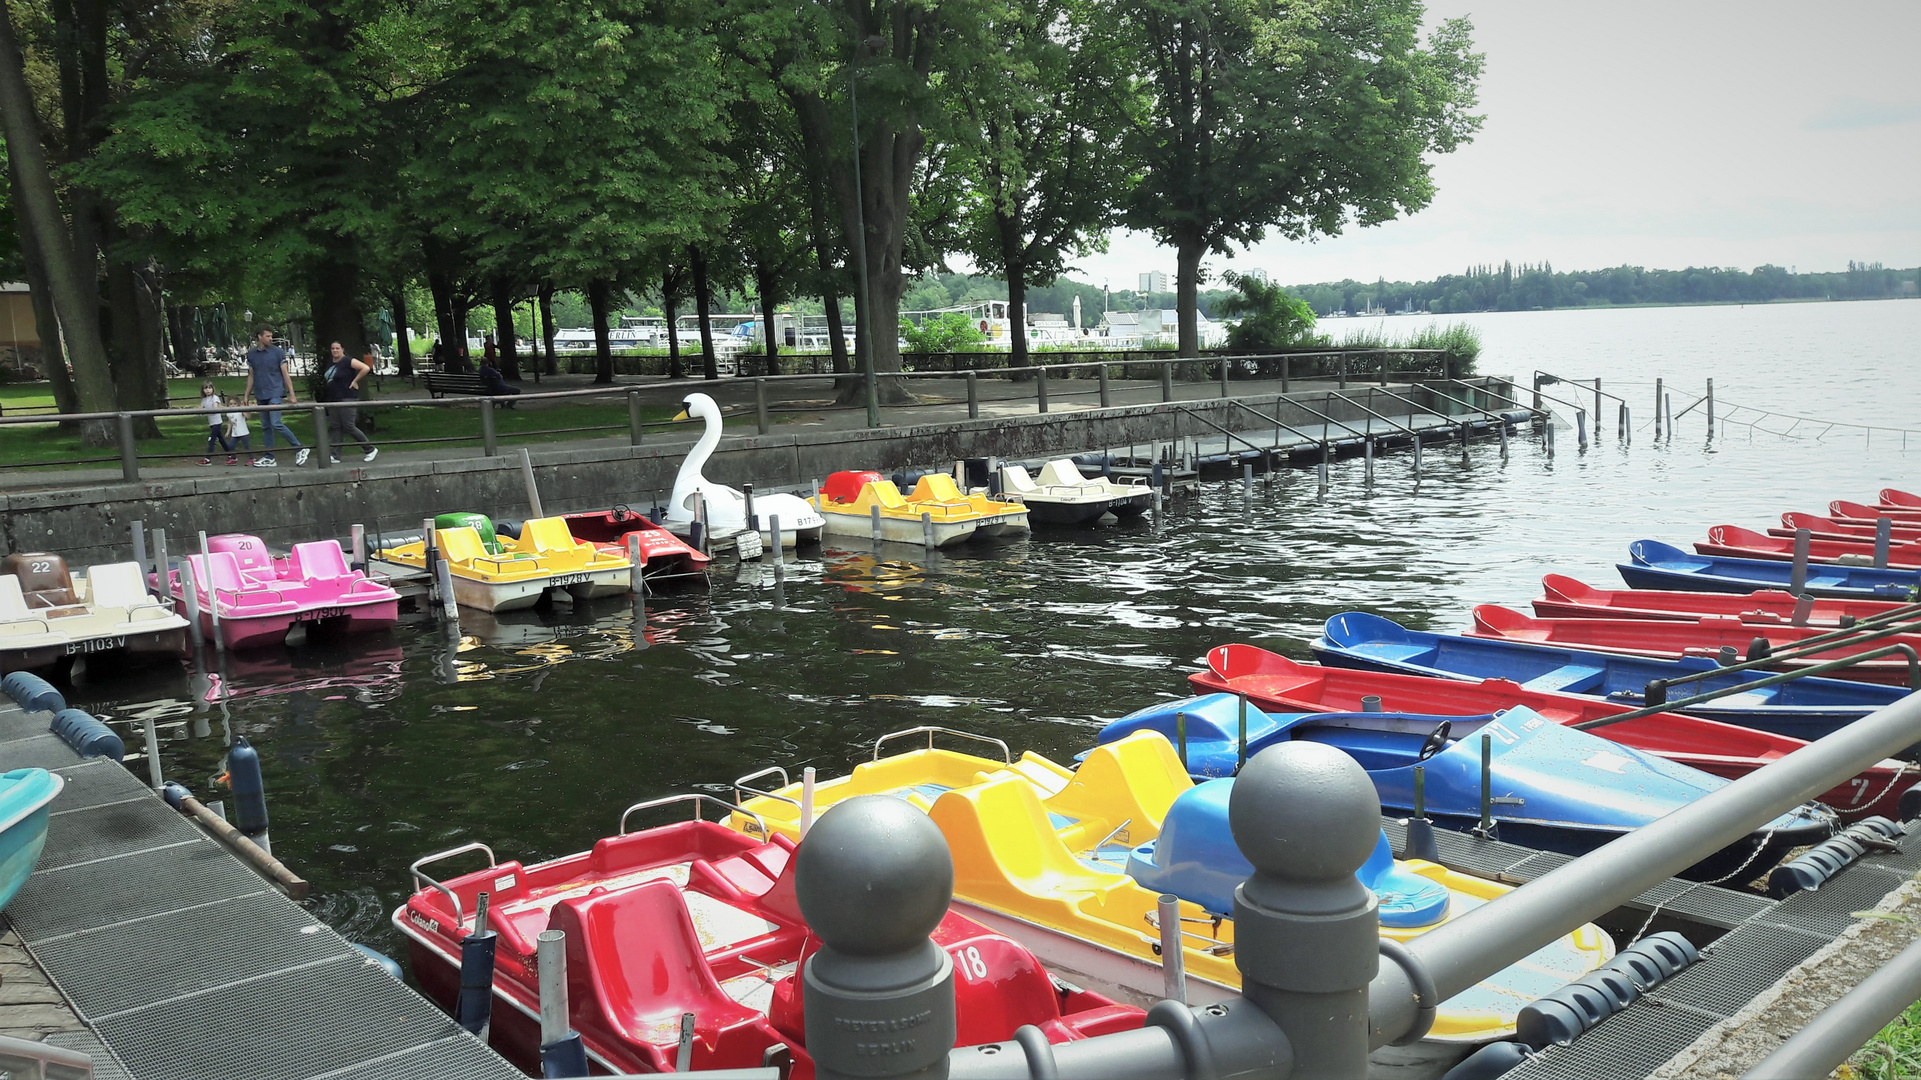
{"x":286,"y":505}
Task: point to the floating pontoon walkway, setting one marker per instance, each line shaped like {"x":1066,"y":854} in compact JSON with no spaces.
{"x":188,"y":966}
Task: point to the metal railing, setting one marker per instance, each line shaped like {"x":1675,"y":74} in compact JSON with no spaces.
{"x":486,"y":431}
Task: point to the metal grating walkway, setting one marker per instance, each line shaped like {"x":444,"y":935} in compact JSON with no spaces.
{"x":188,"y":966}
{"x":1732,"y":971}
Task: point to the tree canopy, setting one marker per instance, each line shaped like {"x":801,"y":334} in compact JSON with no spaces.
{"x":334,"y":161}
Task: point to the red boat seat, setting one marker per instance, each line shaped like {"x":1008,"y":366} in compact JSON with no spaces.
{"x":319,"y":560}
{"x":844,"y":487}
{"x":635,"y":954}
{"x":45,"y":583}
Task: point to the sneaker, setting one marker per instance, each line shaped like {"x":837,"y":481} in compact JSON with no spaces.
{"x":265,"y":461}
{"x":372,"y":452}
{"x":232,"y":460}
{"x":206,"y":461}
{"x":301,"y":457}
{"x":333,"y":459}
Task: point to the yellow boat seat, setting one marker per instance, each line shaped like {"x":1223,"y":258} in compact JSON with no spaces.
{"x":546,"y":535}
{"x":1130,"y":782}
{"x":883,"y":492}
{"x":936,"y":487}
{"x":1006,"y":852}
{"x":460,"y":545}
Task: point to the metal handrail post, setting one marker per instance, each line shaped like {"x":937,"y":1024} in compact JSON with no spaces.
{"x":322,"y":438}
{"x":489,"y":442}
{"x":1225,"y":365}
{"x":1040,"y":387}
{"x":129,"y":461}
{"x":1833,"y":1037}
{"x":1105,"y":402}
{"x":1914,"y":666}
{"x":973,"y":395}
{"x":1478,"y":943}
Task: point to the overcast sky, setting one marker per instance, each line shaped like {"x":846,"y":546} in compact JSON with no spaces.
{"x":1662,"y":134}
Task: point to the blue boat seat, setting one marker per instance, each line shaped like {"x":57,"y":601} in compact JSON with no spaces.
{"x":1567,"y":679}
{"x":1195,"y":858}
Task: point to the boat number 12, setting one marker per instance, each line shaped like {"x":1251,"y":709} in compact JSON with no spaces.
{"x":971,"y":964}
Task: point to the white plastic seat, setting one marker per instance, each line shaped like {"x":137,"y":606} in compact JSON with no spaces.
{"x":13,"y":605}
{"x":1061,"y":473}
{"x":120,"y":585}
{"x":1014,"y":478}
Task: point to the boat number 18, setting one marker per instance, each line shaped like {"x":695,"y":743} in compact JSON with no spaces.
{"x":971,"y":964}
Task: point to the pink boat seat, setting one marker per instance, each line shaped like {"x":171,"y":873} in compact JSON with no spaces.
{"x":234,"y":591}
{"x":319,"y":560}
{"x":249,"y":553}
{"x":635,"y":953}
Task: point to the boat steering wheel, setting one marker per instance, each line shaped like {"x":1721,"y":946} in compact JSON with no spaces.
{"x":621,"y":513}
{"x":1436,"y":740}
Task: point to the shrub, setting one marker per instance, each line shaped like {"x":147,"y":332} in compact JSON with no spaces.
{"x":1270,"y":319}
{"x":950,"y":332}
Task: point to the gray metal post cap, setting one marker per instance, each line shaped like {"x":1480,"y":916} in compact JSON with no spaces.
{"x":1305,"y":814}
{"x":874,"y":876}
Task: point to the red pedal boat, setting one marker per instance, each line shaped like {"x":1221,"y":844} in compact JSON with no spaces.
{"x":1565,"y":598}
{"x":1896,"y":499}
{"x":694,"y":918}
{"x":664,"y":556}
{"x":1854,"y":511}
{"x":1847,"y":529}
{"x":1709,"y":636}
{"x":1278,"y":684}
{"x":1736,"y":542}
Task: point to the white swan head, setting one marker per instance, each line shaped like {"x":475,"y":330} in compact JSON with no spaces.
{"x":698,"y":406}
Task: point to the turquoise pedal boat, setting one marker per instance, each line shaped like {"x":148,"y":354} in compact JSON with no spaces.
{"x":24,"y":797}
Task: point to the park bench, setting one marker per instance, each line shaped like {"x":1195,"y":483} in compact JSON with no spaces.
{"x":440,"y":385}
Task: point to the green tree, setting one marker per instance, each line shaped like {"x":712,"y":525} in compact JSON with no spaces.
{"x":1295,"y":117}
{"x":1270,"y":319}
{"x":950,"y":332}
{"x":1043,"y":126}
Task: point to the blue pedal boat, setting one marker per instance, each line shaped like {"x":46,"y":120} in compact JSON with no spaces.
{"x":1662,"y":566}
{"x":24,"y":798}
{"x":1557,"y":788}
{"x":1801,"y":708}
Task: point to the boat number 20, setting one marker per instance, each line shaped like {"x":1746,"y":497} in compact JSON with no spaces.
{"x":971,"y":964}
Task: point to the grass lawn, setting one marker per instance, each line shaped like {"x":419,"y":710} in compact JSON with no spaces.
{"x":1894,"y":1054}
{"x":184,"y":438}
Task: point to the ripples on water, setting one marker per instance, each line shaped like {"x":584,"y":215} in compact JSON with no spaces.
{"x":535,"y":730}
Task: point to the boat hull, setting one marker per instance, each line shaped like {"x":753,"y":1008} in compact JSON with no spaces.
{"x":147,"y":645}
{"x":900,"y":530}
{"x":1067,"y":513}
{"x":25,"y":802}
{"x":1658,"y":566}
{"x":263,"y":631}
{"x":525,"y":593}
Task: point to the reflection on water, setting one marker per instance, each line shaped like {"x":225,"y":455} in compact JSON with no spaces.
{"x":532,"y":730}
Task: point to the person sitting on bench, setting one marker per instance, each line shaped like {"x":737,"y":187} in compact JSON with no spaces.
{"x":490,"y":377}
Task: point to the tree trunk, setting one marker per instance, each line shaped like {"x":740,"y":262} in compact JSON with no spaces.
{"x":836,"y":332}
{"x":333,"y":295}
{"x":1187,"y":300}
{"x":461,"y":307}
{"x":546,"y":297}
{"x":150,"y":367}
{"x":440,"y":284}
{"x":1017,"y":314}
{"x":74,"y":300}
{"x":403,"y":331}
{"x":703,"y":307}
{"x":764,"y":283}
{"x":597,"y":296}
{"x":53,"y":356}
{"x":504,"y":333}
{"x":180,"y":339}
{"x":670,"y":307}
{"x":130,"y":355}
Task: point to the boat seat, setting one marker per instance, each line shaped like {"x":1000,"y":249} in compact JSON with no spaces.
{"x":319,"y":560}
{"x":635,"y":952}
{"x":460,"y":544}
{"x":1062,"y":473}
{"x":547,"y":534}
{"x":1574,"y":678}
{"x":117,"y":585}
{"x":1006,"y":850}
{"x":845,"y":487}
{"x":248,"y":552}
{"x":13,"y":604}
{"x":1014,"y":478}
{"x":936,"y":487}
{"x":1133,"y":780}
{"x":45,"y":583}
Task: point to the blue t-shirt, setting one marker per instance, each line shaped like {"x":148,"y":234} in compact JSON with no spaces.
{"x":265,"y":364}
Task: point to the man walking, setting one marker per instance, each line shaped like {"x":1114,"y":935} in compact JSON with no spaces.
{"x":270,"y":383}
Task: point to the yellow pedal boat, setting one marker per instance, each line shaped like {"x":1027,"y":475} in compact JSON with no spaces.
{"x":848,"y":500}
{"x":495,"y":574}
{"x":1042,"y":853}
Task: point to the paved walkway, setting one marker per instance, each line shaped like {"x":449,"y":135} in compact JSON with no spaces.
{"x":790,"y":404}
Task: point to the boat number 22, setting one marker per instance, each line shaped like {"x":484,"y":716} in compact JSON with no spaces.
{"x":41,"y":567}
{"x":971,"y":964}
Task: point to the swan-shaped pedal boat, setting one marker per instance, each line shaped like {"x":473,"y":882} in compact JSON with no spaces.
{"x":491,"y":574}
{"x":851,"y":503}
{"x":1071,"y":864}
{"x":47,"y":614}
{"x":259,"y":596}
{"x":727,"y":507}
{"x":1062,"y":496}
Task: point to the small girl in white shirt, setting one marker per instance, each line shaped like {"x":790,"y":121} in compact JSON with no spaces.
{"x":210,"y":399}
{"x":238,"y":436}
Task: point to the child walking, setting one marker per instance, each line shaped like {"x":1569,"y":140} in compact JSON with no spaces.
{"x":241,"y":439}
{"x":216,"y":425}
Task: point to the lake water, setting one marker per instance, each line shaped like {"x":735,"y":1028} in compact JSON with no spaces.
{"x":536,"y":730}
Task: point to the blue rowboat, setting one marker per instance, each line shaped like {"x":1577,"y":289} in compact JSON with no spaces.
{"x":1802,"y":708}
{"x":24,"y":796}
{"x":1663,"y":566}
{"x":1571,"y":791}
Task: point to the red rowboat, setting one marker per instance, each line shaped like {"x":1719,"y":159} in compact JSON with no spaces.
{"x":1566,"y":598}
{"x":1710,"y":636}
{"x":1896,"y":499}
{"x":1847,"y":529}
{"x":663,"y":555}
{"x":694,"y":918}
{"x":1854,"y":511}
{"x":1278,"y":684}
{"x":1739,"y":543}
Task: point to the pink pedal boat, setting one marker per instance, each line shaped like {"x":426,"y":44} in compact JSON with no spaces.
{"x":260,"y":596}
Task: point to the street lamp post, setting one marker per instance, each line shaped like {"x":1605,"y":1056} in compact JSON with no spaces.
{"x":860,"y":253}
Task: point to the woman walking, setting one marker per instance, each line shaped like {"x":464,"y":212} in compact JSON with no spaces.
{"x":343,"y":384}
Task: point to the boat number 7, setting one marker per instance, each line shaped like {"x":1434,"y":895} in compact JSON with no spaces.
{"x":1860,"y":789}
{"x":1501,"y":732}
{"x":971,"y":964}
